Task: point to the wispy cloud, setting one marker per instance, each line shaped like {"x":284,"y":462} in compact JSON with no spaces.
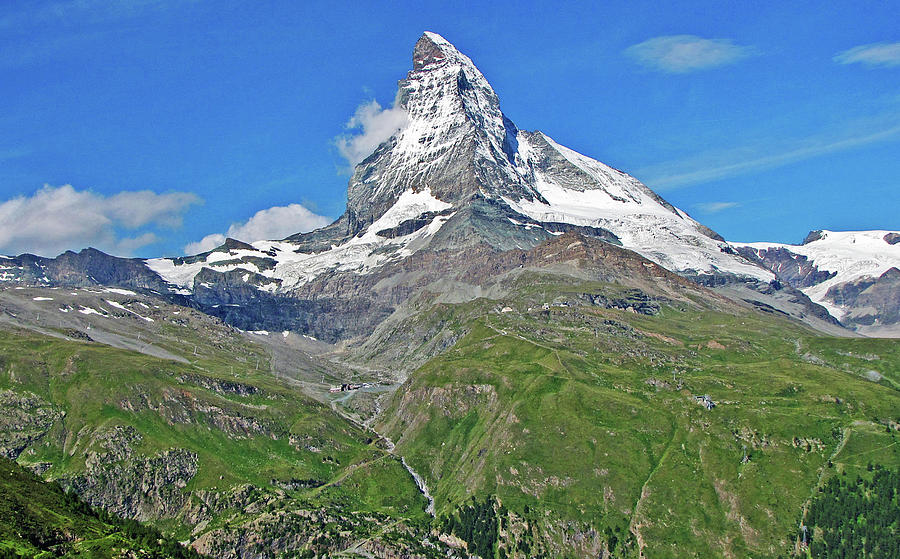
{"x":276,"y":222}
{"x":873,"y":55}
{"x":680,"y":54}
{"x":47,"y":30}
{"x":13,"y":153}
{"x":55,"y":219}
{"x":714,"y":166}
{"x":78,"y":12}
{"x":715,"y":207}
{"x":374,"y":125}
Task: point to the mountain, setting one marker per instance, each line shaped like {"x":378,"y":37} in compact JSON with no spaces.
{"x":459,"y":174}
{"x":457,"y":184}
{"x":501,"y":349}
{"x":455,"y":187}
{"x":853,"y":274}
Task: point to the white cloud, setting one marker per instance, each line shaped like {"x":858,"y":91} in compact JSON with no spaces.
{"x":375,"y":124}
{"x":876,"y":54}
{"x":276,"y":222}
{"x":55,"y":219}
{"x":208,"y":242}
{"x":716,"y":207}
{"x":713,"y":166}
{"x":679,"y":54}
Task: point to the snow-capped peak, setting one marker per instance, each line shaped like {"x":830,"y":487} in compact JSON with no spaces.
{"x":456,"y":150}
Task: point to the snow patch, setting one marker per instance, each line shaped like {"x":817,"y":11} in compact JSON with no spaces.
{"x":124,"y":308}
{"x":91,"y":310}
{"x":119,"y":291}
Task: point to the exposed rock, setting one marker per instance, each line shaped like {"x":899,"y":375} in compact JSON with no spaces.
{"x":872,"y":301}
{"x":219,"y":385}
{"x":132,"y":485}
{"x":24,"y":419}
{"x":183,"y":407}
{"x":812,"y":236}
{"x":794,"y":269}
{"x":634,"y":301}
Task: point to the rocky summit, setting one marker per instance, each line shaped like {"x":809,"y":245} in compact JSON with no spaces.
{"x":501,"y":349}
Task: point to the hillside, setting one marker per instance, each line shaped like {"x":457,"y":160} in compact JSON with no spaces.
{"x":223,"y":458}
{"x":38,"y":519}
{"x":586,"y":421}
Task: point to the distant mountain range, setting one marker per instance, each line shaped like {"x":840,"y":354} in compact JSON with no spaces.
{"x":853,"y":274}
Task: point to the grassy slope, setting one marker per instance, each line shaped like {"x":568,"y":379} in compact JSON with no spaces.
{"x":553,"y":410}
{"x":93,"y":388}
{"x":38,"y":520}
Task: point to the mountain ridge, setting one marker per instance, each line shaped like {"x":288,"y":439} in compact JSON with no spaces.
{"x":457,"y":176}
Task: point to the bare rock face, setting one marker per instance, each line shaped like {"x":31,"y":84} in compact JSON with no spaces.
{"x":132,"y":485}
{"x":874,"y":301}
{"x":794,"y":269}
{"x":24,"y":419}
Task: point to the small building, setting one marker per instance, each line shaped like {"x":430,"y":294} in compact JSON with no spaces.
{"x":705,"y":401}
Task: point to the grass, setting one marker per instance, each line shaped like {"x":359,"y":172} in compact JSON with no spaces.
{"x":579,"y":415}
{"x":581,"y":422}
{"x":273,"y":434}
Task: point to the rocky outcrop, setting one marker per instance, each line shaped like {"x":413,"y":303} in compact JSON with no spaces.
{"x":634,"y":300}
{"x":129,"y":484}
{"x":872,"y":301}
{"x":219,"y":385}
{"x":184,"y":408}
{"x":25,"y":418}
{"x":794,"y":269}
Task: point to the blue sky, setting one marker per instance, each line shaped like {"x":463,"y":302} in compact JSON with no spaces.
{"x":143,"y":126}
